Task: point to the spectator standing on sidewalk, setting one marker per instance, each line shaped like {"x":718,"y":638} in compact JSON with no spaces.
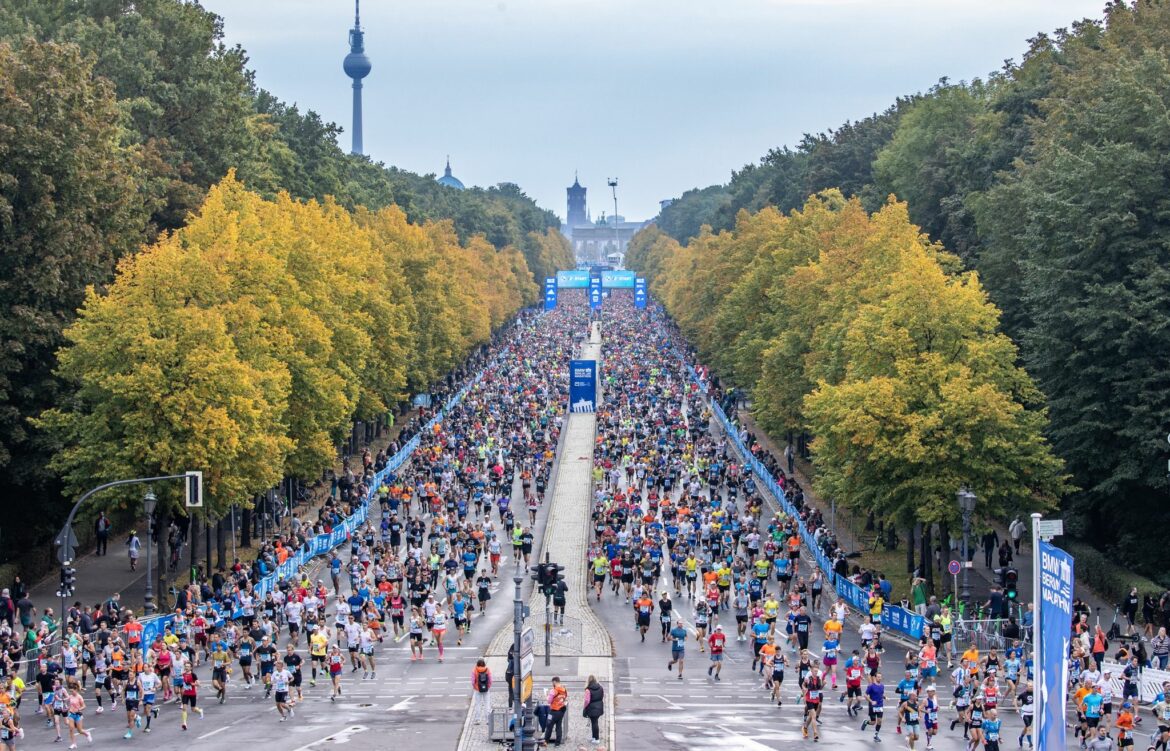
{"x":101,"y":530}
{"x":481,"y":698}
{"x":594,"y":707}
{"x":558,"y":702}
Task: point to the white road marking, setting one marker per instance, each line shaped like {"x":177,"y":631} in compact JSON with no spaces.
{"x":404,"y":704}
{"x":213,"y":732}
{"x":342,"y":736}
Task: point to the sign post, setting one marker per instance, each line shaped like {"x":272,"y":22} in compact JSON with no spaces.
{"x":953,"y":569}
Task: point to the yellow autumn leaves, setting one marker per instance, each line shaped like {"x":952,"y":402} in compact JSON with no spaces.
{"x":244,"y":343}
{"x":859,"y":330}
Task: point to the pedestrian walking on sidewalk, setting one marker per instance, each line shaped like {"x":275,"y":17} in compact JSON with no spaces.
{"x":594,"y":707}
{"x":1017,"y":530}
{"x":481,"y":686}
{"x":133,"y":546}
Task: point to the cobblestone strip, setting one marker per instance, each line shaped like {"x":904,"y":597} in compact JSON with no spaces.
{"x":566,"y":539}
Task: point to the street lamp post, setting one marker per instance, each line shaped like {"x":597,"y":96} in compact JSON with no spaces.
{"x":148,"y":504}
{"x":967,"y":507}
{"x":617,"y":240}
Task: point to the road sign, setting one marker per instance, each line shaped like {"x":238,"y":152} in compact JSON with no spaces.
{"x":953,"y":568}
{"x":526,"y":663}
{"x":527,"y":641}
{"x":66,"y":543}
{"x":526,"y":688}
{"x":1050,"y":528}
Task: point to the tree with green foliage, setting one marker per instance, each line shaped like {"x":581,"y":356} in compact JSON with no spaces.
{"x":69,"y":208}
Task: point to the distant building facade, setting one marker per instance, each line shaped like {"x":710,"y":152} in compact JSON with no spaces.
{"x":596,"y":242}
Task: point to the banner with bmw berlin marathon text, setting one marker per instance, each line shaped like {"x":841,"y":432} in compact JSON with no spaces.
{"x":550,"y":293}
{"x":640,"y":293}
{"x":594,"y":292}
{"x":574,"y":279}
{"x":1056,"y":594}
{"x":617,"y":279}
{"x":582,"y":385}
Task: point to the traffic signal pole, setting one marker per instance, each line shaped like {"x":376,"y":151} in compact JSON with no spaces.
{"x":547,"y":613}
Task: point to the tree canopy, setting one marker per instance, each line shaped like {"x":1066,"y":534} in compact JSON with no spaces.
{"x":855,"y":327}
{"x":1049,"y":178}
{"x":245,"y":342}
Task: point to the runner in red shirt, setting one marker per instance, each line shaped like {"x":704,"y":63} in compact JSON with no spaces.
{"x":716,"y":641}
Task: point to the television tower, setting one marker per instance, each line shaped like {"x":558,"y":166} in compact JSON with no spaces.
{"x":357,"y":66}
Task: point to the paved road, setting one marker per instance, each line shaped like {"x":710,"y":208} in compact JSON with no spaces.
{"x":420,"y":702}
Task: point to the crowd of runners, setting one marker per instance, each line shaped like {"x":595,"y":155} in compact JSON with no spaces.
{"x":682,"y":536}
{"x":421,"y":568}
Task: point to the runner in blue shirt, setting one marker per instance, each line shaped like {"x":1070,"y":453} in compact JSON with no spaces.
{"x":678,"y":645}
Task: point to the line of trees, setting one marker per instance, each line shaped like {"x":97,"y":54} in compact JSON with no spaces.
{"x":117,"y":117}
{"x":858,"y":329}
{"x":246,"y":342}
{"x":1049,"y":178}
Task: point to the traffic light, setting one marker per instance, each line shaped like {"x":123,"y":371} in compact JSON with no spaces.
{"x":546,"y":577}
{"x":68,"y":581}
{"x":1011,"y":581}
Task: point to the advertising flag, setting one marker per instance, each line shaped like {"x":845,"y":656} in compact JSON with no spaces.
{"x":550,"y":293}
{"x":640,"y":293}
{"x":582,"y":385}
{"x":1056,"y":595}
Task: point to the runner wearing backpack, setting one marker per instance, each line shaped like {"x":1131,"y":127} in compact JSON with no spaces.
{"x":481,"y":685}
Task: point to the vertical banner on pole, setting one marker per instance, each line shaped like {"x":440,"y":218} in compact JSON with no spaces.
{"x":1056,"y":593}
{"x":640,"y":293}
{"x":595,"y":292}
{"x":550,"y":293}
{"x":582,"y":385}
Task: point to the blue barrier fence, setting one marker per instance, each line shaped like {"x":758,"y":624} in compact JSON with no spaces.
{"x":893,"y":617}
{"x":320,"y":544}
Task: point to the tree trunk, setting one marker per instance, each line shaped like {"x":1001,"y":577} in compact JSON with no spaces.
{"x":163,"y":529}
{"x":912,"y":536}
{"x":193,"y":541}
{"x":944,"y":543}
{"x":927,"y":556}
{"x":245,"y":527}
{"x":220,"y":542}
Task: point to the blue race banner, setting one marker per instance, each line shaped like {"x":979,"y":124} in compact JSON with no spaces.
{"x":1056,"y":594}
{"x":617,"y":279}
{"x":575,"y":279}
{"x":550,"y":293}
{"x":594,"y":292}
{"x":582,"y":385}
{"x":900,"y":619}
{"x":639,"y":293}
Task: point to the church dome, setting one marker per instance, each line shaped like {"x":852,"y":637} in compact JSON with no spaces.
{"x":450,"y":180}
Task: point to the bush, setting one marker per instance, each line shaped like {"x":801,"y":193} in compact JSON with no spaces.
{"x":1107,"y":579}
{"x":7,"y":572}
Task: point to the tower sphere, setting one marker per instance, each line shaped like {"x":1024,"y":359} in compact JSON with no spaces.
{"x":357,"y":65}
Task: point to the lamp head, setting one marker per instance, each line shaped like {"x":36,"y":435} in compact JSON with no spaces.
{"x":149,"y":501}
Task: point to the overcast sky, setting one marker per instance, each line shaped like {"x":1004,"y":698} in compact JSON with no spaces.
{"x":666,"y":95}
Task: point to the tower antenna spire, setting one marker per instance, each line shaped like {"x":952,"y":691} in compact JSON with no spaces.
{"x":357,"y":14}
